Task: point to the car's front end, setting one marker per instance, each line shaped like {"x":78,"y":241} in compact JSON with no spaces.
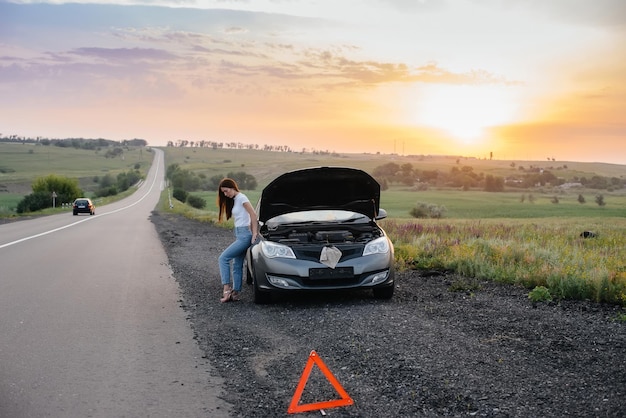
{"x":319,"y":232}
{"x":291,"y":258}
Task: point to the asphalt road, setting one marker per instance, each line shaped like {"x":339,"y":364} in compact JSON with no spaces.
{"x":90,"y":318}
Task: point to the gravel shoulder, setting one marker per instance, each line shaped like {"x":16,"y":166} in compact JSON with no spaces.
{"x":483,"y":350}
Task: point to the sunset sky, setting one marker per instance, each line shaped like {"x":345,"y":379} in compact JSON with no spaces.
{"x":523,"y":79}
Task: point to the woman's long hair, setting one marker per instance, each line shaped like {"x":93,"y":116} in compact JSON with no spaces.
{"x":225,"y":204}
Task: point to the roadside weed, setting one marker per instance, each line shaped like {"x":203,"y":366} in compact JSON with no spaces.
{"x":540,"y":294}
{"x":529,"y":253}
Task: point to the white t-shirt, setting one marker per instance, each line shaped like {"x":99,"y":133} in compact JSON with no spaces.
{"x":240,"y":214}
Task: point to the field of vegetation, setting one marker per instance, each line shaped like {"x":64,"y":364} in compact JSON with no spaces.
{"x":527,"y":236}
{"x":22,"y":163}
{"x":518,"y":222}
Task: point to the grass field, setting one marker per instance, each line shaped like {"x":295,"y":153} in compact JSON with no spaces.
{"x":398,"y":200}
{"x":23,"y":162}
{"x":495,"y":236}
{"x":266,"y":165}
{"x":483,"y":236}
{"x":20,"y":164}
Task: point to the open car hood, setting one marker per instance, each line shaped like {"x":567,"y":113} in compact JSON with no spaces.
{"x":320,"y":188}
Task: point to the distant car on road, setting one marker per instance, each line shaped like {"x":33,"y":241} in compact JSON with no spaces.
{"x":318,"y":231}
{"x":83,"y":205}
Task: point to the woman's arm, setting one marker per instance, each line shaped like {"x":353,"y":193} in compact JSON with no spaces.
{"x":254,"y":220}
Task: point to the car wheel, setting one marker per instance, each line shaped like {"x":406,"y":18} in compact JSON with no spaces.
{"x":248,"y":276}
{"x":383,"y":292}
{"x":260,"y":297}
{"x":75,"y":213}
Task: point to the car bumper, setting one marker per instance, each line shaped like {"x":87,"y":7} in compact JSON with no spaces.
{"x":288,"y":274}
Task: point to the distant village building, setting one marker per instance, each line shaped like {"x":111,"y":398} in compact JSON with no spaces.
{"x":566,"y":186}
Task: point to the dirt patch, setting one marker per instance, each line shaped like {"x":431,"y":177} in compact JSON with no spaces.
{"x":481,"y":350}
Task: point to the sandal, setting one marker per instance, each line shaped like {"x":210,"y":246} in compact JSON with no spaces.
{"x":228,"y":296}
{"x":234,"y":295}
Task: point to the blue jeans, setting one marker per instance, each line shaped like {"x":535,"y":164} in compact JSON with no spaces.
{"x":235,"y":253}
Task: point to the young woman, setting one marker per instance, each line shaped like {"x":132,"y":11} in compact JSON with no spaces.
{"x":233,"y":203}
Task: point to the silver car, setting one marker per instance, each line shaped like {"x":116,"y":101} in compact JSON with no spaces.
{"x":318,"y":231}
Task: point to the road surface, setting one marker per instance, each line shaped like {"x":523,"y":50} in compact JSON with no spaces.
{"x":90,"y":319}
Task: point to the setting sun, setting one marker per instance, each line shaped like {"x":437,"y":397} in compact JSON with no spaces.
{"x":464,"y":112}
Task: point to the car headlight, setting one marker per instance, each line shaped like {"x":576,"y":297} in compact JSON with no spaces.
{"x":273,"y":250}
{"x":378,"y":246}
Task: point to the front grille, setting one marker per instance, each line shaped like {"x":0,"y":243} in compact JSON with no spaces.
{"x":313,"y":253}
{"x":331,"y":282}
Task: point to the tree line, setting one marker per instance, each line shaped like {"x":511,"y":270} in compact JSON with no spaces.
{"x":79,"y":143}
{"x":466,"y":178}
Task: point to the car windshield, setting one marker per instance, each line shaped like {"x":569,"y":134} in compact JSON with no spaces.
{"x":315,"y":216}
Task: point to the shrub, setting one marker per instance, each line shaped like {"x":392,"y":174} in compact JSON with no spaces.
{"x":34,"y":202}
{"x":244,"y":180}
{"x":127,"y":179}
{"x":600,"y":200}
{"x":540,"y":294}
{"x":182,"y":179}
{"x":106,"y":181}
{"x":494,"y":183}
{"x":196,"y":202}
{"x":66,"y":190}
{"x":62,"y":186}
{"x":180,"y":194}
{"x":106,"y":191}
{"x":427,"y":210}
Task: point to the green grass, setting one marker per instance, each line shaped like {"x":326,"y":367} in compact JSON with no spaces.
{"x":399,"y":200}
{"x":491,"y":236}
{"x":528,"y":252}
{"x":267,"y":165}
{"x":530,"y":242}
{"x":24,"y":162}
{"x":8,"y":203}
{"x":481,"y":205}
{"x":477,"y":205}
{"x":487,"y":205}
{"x":20,"y":164}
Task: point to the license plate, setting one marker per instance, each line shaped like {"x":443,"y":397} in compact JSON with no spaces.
{"x":81,"y":207}
{"x":328,"y":273}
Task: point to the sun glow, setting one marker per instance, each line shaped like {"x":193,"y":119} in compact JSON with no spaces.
{"x":464,"y":112}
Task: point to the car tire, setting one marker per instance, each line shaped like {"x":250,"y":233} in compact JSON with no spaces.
{"x":260,"y":297}
{"x":75,"y":213}
{"x":248,"y":275}
{"x":383,"y":292}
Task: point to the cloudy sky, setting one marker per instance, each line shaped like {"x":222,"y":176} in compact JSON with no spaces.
{"x":522,"y":79}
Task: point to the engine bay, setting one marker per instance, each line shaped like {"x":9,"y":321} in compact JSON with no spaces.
{"x":320,"y":234}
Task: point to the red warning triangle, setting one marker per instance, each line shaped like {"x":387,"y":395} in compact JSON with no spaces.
{"x":345,"y":398}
